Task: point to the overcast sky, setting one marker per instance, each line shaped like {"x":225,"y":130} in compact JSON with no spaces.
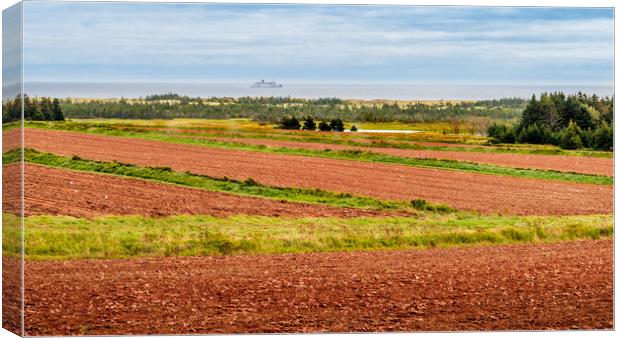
{"x":150,"y":42}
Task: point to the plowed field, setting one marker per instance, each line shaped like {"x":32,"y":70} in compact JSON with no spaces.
{"x":463,"y":190}
{"x":51,"y":191}
{"x":578,"y":164}
{"x":520,"y":287}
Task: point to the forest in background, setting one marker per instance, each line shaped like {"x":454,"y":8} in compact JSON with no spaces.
{"x":569,"y":121}
{"x":273,"y":109}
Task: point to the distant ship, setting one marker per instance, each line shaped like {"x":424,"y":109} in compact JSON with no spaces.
{"x":263,"y":84}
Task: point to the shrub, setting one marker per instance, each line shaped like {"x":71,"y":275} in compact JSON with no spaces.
{"x":336,"y":125}
{"x":291,"y":123}
{"x":603,"y":138}
{"x":501,"y":133}
{"x":421,"y":204}
{"x":530,"y":134}
{"x":324,"y":126}
{"x":250,"y":181}
{"x":353,"y":128}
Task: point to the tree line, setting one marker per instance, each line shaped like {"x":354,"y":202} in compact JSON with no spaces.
{"x":35,"y":109}
{"x":569,"y":121}
{"x":273,"y":109}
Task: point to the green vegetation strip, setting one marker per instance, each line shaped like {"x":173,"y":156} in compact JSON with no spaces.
{"x":61,"y":237}
{"x":381,"y":141}
{"x":11,"y":125}
{"x":356,"y":155}
{"x":377,"y":142}
{"x":246,"y":188}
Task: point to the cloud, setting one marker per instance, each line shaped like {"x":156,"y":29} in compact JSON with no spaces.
{"x":122,"y":41}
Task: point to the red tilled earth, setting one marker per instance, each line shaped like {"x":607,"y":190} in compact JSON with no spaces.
{"x":518,"y":287}
{"x":51,"y":191}
{"x":463,"y":190}
{"x":11,"y":139}
{"x":578,"y":164}
{"x":12,"y":188}
{"x":11,"y":294}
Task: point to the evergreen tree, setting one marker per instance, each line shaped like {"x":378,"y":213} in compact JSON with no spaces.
{"x":574,"y":111}
{"x":45,"y":106}
{"x":309,"y":124}
{"x":57,"y":113}
{"x":570,"y":137}
{"x":532,"y":114}
{"x":551,"y":118}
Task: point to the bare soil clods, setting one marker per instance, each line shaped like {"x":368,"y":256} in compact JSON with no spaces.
{"x":51,"y":191}
{"x":485,"y":193}
{"x":519,"y":287}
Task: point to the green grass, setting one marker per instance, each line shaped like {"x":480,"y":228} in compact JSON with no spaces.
{"x":11,"y":125}
{"x":356,"y":155}
{"x":63,"y":237}
{"x":246,"y":188}
{"x":11,"y":235}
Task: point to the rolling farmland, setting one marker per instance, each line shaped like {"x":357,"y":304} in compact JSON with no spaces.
{"x":369,"y":232}
{"x":210,"y":168}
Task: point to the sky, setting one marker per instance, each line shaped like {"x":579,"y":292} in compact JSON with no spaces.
{"x":158,"y":42}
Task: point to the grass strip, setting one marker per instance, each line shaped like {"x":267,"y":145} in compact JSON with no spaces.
{"x":63,"y":237}
{"x":248,"y":187}
{"x":379,"y":142}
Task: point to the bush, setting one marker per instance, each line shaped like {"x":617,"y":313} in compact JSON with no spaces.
{"x":324,"y":126}
{"x":336,"y":125}
{"x":421,"y":204}
{"x":603,"y":138}
{"x":501,"y":133}
{"x":250,"y":181}
{"x":353,"y":128}
{"x":530,"y":134}
{"x":550,"y":137}
{"x":291,"y":123}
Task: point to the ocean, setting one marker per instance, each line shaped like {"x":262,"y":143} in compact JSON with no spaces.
{"x":300,"y":90}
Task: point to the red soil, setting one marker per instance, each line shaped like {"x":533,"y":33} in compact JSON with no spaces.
{"x":579,"y":164}
{"x":463,"y":190}
{"x":11,"y":139}
{"x":59,"y":192}
{"x":12,"y":293}
{"x":12,"y":188}
{"x":519,"y":287}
